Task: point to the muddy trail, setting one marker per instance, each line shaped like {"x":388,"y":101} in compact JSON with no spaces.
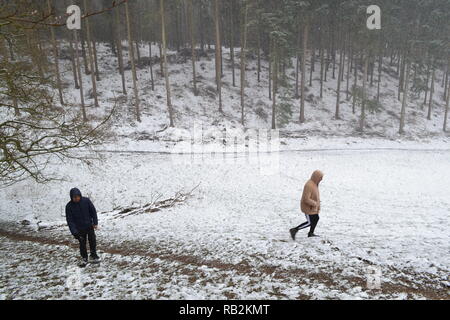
{"x":154,"y":270}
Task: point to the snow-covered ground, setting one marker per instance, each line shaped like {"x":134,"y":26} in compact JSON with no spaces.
{"x":387,"y":209}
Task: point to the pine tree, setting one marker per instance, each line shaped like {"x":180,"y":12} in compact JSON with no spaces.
{"x":133,"y":64}
{"x":166,"y":73}
{"x":91,"y":58}
{"x":56,"y":57}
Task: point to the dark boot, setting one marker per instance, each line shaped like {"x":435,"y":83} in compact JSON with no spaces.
{"x":94,"y":258}
{"x":293,"y":232}
{"x":83,"y":263}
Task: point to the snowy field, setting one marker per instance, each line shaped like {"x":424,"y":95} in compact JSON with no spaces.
{"x":385,"y":210}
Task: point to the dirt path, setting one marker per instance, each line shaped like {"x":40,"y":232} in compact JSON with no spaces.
{"x":44,"y":256}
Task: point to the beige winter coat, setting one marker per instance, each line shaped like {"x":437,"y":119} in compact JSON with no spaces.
{"x":310,"y":203}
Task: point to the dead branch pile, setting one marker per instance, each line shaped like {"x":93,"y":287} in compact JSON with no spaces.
{"x":156,"y":204}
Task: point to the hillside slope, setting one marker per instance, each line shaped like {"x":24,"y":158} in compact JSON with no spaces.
{"x":190,"y":109}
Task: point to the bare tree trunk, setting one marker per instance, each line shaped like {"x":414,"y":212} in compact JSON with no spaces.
{"x":333,"y":49}
{"x":83,"y":54}
{"x":161,"y":59}
{"x":120,"y":51}
{"x":138,"y":52}
{"x":55,"y":55}
{"x":349,"y":61}
{"x":338,"y":90}
{"x":364,"y":95}
{"x":446,"y":108}
{"x":430,"y":104}
{"x":355,"y":85}
{"x":233,"y":72}
{"x":72,"y":58}
{"x":80,"y":77}
{"x":302,"y":84}
{"x":177,"y":29}
{"x":426,"y":85}
{"x":346,"y":53}
{"x":321,"y":63}
{"x":380,"y":67}
{"x":313,"y":61}
{"x":97,"y":72}
{"x":405,"y":98}
{"x":202,"y":29}
{"x":133,"y":65}
{"x":372,"y":68}
{"x":243,"y":48}
{"x":297,"y":64}
{"x":151,"y":65}
{"x":112,"y":33}
{"x":259,"y":52}
{"x":446,"y":80}
{"x":221,"y":55}
{"x":191,"y":33}
{"x":91,"y":59}
{"x":218,"y":51}
{"x":166,"y":73}
{"x":327,"y":63}
{"x":275,"y":87}
{"x":401,"y":78}
{"x":270,"y":69}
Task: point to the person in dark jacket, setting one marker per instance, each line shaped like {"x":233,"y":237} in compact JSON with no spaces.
{"x":82,"y":219}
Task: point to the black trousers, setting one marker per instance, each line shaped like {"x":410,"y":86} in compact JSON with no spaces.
{"x":311,"y":222}
{"x":83,"y":237}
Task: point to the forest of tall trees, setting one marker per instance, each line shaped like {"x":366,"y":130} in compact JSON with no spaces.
{"x":332,"y":34}
{"x":327,"y":35}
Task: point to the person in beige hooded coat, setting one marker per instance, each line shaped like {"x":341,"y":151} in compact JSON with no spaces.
{"x":310,"y":204}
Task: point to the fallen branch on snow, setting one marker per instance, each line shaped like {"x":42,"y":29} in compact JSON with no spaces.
{"x":157,"y":205}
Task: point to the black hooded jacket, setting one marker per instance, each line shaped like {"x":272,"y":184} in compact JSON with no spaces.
{"x":81,"y":215}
